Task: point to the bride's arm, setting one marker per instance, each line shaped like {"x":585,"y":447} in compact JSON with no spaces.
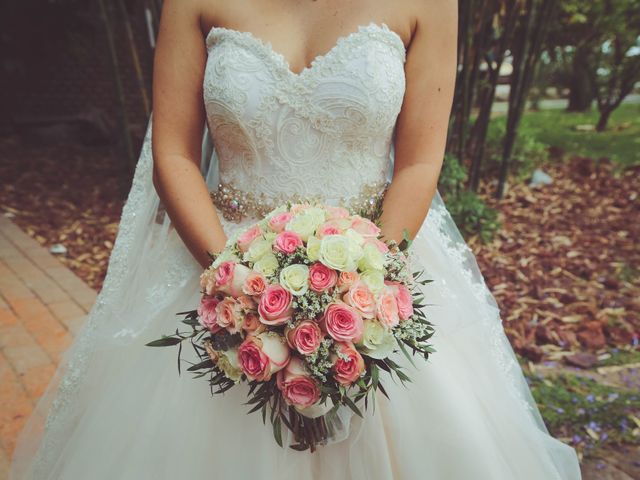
{"x":421,"y":129}
{"x":178,"y":122}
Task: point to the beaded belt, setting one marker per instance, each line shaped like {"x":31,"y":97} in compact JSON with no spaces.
{"x":235,"y":204}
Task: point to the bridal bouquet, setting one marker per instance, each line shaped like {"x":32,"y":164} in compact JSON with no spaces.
{"x":307,"y":306}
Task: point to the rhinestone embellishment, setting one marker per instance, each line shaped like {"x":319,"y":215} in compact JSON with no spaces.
{"x":236,"y":204}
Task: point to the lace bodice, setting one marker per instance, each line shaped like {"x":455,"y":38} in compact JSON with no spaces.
{"x":324,"y":133}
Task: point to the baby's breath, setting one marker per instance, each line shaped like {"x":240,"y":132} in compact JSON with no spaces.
{"x":319,"y":362}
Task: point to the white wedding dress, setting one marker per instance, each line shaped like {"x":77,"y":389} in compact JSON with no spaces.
{"x":118,"y":409}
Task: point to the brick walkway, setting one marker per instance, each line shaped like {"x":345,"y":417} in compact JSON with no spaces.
{"x":42,"y":305}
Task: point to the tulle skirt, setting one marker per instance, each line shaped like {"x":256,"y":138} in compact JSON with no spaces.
{"x":468,"y":413}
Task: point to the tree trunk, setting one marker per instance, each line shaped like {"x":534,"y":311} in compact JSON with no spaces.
{"x":580,"y":88}
{"x":604,"y":119}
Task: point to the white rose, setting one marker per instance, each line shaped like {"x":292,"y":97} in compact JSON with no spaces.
{"x":295,"y":279}
{"x":267,"y":265}
{"x":228,"y":363}
{"x":302,"y":224}
{"x":258,"y":249}
{"x":372,"y":258}
{"x":377,"y":341}
{"x":313,"y":248}
{"x":317,"y":214}
{"x":335,"y":252}
{"x":374,"y":279}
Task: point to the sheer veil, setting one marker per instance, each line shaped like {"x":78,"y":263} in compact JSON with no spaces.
{"x":147,"y":247}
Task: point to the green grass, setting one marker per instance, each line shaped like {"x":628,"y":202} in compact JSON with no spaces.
{"x":620,"y":142}
{"x":620,"y":356}
{"x":586,"y":414}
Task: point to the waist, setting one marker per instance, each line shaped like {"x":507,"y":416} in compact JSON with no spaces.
{"x":237,"y":204}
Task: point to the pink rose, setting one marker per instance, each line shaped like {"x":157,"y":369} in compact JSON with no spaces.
{"x":404,"y":299}
{"x":229,"y":313}
{"x":305,"y":337}
{"x":230,"y":277}
{"x":360,"y":297}
{"x":365,"y":227}
{"x":275,"y":306}
{"x":279,"y":221}
{"x":328,"y":228}
{"x":336,"y":212}
{"x":262,"y":355}
{"x":248,"y":236}
{"x":207,"y":316}
{"x":387,"y":308}
{"x":348,"y":366}
{"x":287,"y":242}
{"x":321,"y":277}
{"x":254,"y":284}
{"x":342,"y":322}
{"x":297,"y":387}
{"x":346,"y":279}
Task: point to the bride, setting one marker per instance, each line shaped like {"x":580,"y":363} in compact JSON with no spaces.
{"x":345,"y":102}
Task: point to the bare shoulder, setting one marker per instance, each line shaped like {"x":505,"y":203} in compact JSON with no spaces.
{"x":433,"y":18}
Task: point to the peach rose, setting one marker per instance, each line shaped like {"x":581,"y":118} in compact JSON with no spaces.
{"x":262,"y":355}
{"x":365,"y":227}
{"x":251,"y":322}
{"x":404,"y":299}
{"x":229,"y":314}
{"x":208,"y":281}
{"x":248,"y":236}
{"x":298,"y":388}
{"x":335,"y":213}
{"x":279,"y":220}
{"x":275,"y":306}
{"x":287,"y":242}
{"x":305,"y":337}
{"x":207,"y":316}
{"x":254,"y":284}
{"x":360,"y":297}
{"x":387,"y":308}
{"x":342,"y":322}
{"x":346,"y":279}
{"x":348,"y":365}
{"x":321,"y":277}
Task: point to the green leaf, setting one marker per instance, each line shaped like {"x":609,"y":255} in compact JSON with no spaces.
{"x":165,"y":342}
{"x":277,"y":431}
{"x":406,"y":353}
{"x":208,"y":363}
{"x":352,"y":405}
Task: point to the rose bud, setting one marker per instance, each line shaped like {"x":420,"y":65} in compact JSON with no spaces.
{"x":262,"y":355}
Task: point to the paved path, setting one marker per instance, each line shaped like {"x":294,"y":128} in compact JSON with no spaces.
{"x":42,"y":305}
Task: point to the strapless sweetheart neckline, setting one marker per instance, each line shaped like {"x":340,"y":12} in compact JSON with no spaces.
{"x":281,"y":61}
